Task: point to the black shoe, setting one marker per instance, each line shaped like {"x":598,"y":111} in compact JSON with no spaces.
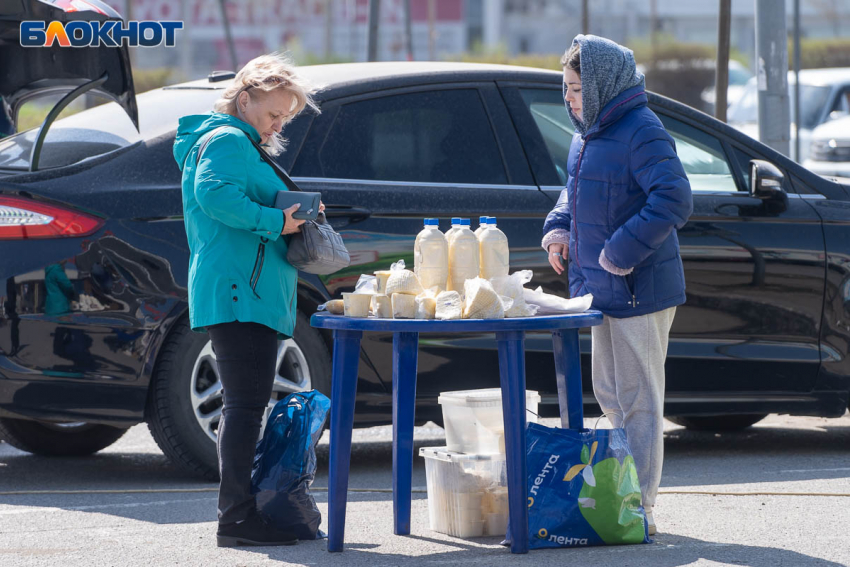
{"x":253,"y":530}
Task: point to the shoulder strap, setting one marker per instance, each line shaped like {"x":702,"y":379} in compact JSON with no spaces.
{"x":206,"y":140}
{"x":290,"y":184}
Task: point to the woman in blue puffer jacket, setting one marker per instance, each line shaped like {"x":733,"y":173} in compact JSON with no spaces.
{"x":616,"y":221}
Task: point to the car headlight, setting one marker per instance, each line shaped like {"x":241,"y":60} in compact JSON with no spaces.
{"x":830,"y":150}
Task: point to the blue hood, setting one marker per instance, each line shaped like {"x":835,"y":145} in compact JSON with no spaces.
{"x":607,"y":70}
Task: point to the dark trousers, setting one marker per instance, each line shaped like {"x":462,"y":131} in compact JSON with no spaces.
{"x":246,"y":355}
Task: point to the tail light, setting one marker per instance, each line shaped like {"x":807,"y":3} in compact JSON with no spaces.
{"x":22,"y":219}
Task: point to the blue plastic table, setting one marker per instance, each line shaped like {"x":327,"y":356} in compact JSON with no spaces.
{"x":510,"y":334}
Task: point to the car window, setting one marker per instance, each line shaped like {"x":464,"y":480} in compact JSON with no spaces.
{"x":812,"y":100}
{"x":702,"y":157}
{"x":701,"y":154}
{"x":442,"y":136}
{"x":549,"y":113}
{"x":106,"y":127}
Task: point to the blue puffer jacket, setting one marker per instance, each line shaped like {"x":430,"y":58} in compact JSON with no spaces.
{"x":626,"y":192}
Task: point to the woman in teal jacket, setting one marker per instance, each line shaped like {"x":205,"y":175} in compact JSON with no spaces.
{"x":242,"y":290}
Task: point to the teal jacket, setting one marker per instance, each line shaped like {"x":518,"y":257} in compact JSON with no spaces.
{"x":238,"y":269}
{"x":59,"y":290}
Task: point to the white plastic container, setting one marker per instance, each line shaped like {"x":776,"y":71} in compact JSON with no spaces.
{"x":473,"y":419}
{"x":495,"y":253}
{"x":461,"y":490}
{"x":431,"y":256}
{"x":356,"y":304}
{"x":463,"y":257}
{"x":482,"y":224}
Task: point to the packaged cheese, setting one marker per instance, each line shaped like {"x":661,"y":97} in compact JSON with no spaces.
{"x":449,"y":306}
{"x":382,"y":306}
{"x":356,"y":304}
{"x":404,"y":306}
{"x":403,"y":281}
{"x":335,"y":306}
{"x":481,"y":301}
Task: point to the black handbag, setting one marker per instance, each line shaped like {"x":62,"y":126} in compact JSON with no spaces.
{"x":317,"y":248}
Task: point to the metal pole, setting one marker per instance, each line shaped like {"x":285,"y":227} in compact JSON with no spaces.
{"x":329,"y":28}
{"x":234,"y":63}
{"x":653,"y":26}
{"x":585,"y":17}
{"x":721,"y":76}
{"x":797,"y":80}
{"x":374,"y":14}
{"x":432,"y":30}
{"x":772,"y":75}
{"x":408,"y":30}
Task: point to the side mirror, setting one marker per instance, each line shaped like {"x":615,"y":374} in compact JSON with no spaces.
{"x":766,"y":181}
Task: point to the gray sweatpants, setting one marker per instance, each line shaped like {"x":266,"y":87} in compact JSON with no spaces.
{"x":628,"y":381}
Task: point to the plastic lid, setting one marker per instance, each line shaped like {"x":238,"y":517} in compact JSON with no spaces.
{"x":491,"y":220}
{"x":487,"y":397}
{"x":464,"y":222}
{"x":432,"y":222}
{"x":482,"y":220}
{"x":443,"y":454}
{"x":456,"y":220}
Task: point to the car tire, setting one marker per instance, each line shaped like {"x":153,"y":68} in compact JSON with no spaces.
{"x":58,"y":439}
{"x":717,"y":422}
{"x":184,"y":403}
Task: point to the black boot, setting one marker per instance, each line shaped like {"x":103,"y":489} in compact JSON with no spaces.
{"x":253,"y":530}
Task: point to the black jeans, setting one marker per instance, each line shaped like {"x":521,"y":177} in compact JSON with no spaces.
{"x":246,"y":355}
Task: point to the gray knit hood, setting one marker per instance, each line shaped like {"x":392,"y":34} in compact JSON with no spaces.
{"x":607,"y":69}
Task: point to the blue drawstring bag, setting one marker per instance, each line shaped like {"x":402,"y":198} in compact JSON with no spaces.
{"x":583,"y":489}
{"x":285,"y":464}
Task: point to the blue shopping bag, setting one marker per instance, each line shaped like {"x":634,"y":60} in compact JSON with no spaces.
{"x":583,"y":489}
{"x":285,"y":463}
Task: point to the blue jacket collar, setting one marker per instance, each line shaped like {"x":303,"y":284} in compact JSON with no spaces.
{"x":617,"y":108}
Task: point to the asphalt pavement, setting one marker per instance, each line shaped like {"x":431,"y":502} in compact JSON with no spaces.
{"x":777,"y":494}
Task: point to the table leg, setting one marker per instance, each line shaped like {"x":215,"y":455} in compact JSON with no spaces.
{"x":568,"y":376}
{"x":405,"y":355}
{"x":346,"y":359}
{"x":512,"y":375}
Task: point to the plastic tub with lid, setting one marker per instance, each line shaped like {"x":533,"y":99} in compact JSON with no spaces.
{"x":473,"y":419}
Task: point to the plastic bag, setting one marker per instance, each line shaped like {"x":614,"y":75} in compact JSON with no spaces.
{"x":482,"y":302}
{"x":512,"y":286}
{"x":426,"y":304}
{"x":285,"y":463}
{"x":367,"y":285}
{"x":449,"y":306}
{"x":553,"y":305}
{"x":583,"y":489}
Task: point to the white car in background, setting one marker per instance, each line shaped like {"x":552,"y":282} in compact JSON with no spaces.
{"x":824,"y":95}
{"x":738,"y":77}
{"x":830,"y":148}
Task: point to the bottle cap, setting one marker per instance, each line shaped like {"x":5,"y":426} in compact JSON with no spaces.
{"x":432,"y":222}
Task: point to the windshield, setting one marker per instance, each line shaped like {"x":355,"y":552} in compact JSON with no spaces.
{"x":106,"y":128}
{"x":812,"y":101}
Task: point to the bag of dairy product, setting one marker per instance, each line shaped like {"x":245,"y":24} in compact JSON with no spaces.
{"x":426,"y":303}
{"x":449,"y":306}
{"x":512,"y":286}
{"x":553,"y":305}
{"x":482,"y":302}
{"x":402,"y":281}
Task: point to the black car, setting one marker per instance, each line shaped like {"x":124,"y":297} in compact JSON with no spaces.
{"x":94,"y":333}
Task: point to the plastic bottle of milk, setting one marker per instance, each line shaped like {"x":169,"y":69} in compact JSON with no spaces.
{"x":455,"y":227}
{"x":482,"y":224}
{"x":463,"y":257}
{"x":431,"y":256}
{"x":495,"y":253}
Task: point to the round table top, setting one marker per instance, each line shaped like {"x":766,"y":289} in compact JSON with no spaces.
{"x":588,"y":318}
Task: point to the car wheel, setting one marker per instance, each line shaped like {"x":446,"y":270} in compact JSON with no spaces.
{"x":184,"y":407}
{"x":58,"y":439}
{"x":717,"y":422}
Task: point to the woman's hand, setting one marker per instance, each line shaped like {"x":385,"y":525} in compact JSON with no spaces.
{"x":291,"y":225}
{"x":321,"y":207}
{"x":557,"y":252}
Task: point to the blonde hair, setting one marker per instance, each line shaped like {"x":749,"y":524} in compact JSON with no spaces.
{"x":267,"y":73}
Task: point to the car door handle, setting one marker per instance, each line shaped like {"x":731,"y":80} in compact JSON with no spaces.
{"x":352,"y":214}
